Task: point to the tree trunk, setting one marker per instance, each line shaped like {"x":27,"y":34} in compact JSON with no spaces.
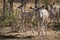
{"x":11,"y":7}
{"x":4,"y":7}
{"x":11,"y":10}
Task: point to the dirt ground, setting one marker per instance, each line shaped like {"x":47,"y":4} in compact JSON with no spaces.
{"x":51,"y":35}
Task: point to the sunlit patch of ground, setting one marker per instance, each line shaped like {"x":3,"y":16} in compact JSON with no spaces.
{"x":51,"y":35}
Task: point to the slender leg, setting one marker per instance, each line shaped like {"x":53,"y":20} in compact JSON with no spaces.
{"x":38,"y":30}
{"x":46,"y":29}
{"x":23,"y":26}
{"x":42,"y":30}
{"x":31,"y":27}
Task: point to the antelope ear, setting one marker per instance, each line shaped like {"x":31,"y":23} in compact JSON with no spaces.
{"x":19,"y":6}
{"x":53,"y":3}
{"x":31,"y":8}
{"x":48,"y":3}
